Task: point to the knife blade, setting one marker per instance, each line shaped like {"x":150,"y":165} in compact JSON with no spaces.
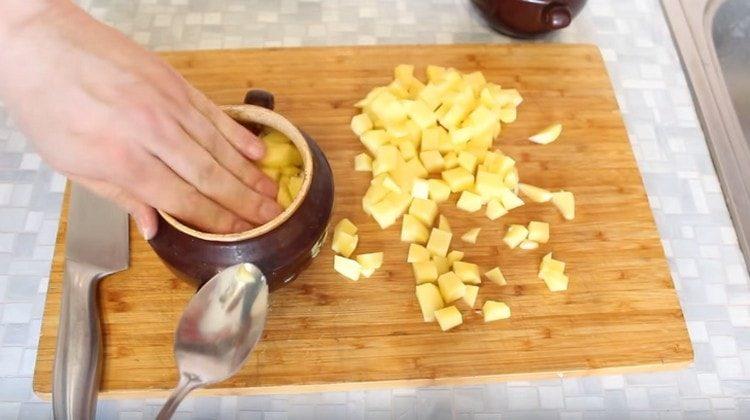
{"x":96,"y":245}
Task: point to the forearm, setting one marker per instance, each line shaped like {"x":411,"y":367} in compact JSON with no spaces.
{"x":14,"y":13}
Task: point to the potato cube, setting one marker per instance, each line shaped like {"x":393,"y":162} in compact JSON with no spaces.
{"x":407,"y":150}
{"x":494,"y":311}
{"x":454,"y":116}
{"x":515,"y":235}
{"x":398,"y":89}
{"x":373,"y":195}
{"x":509,"y":200}
{"x":412,"y":230}
{"x":282,"y":196}
{"x":448,"y":318}
{"x":273,"y":173}
{"x":439,"y":242}
{"x":424,"y":210}
{"x":555,"y":281}
{"x":390,"y":208}
{"x":493,"y":161}
{"x":471,"y":235}
{"x":470,"y":296}
{"x":551,"y":264}
{"x":420,"y":189}
{"x":443,"y":224}
{"x":454,"y":256}
{"x":390,"y":184}
{"x":467,"y":161}
{"x":435,"y":73}
{"x":387,"y":158}
{"x":431,"y":95}
{"x":461,"y":136}
{"x":363,"y":162}
{"x":459,"y":179}
{"x":431,"y":138}
{"x":361,"y":123}
{"x":451,"y":287}
{"x":442,"y":264}
{"x":451,"y":160}
{"x":535,"y":194}
{"x":279,"y":155}
{"x":421,"y":114}
{"x":538,"y":232}
{"x":388,"y":108}
{"x":469,"y":202}
{"x":405,"y":131}
{"x":415,"y":168}
{"x":370,"y":262}
{"x":528,"y":245}
{"x":489,"y":185}
{"x":565,"y":203}
{"x":344,"y":243}
{"x":495,"y":209}
{"x":294,"y":185}
{"x":404,"y":73}
{"x":439,"y":190}
{"x":432,"y":161}
{"x":496,"y":276}
{"x":548,"y":135}
{"x":347,"y":267}
{"x":403,"y":178}
{"x":424,"y":272}
{"x":467,"y":272}
{"x":506,"y":165}
{"x":428,"y":296}
{"x":346,"y":225}
{"x":276,"y":136}
{"x":507,"y":114}
{"x":374,"y":139}
{"x":511,"y":179}
{"x":370,"y":96}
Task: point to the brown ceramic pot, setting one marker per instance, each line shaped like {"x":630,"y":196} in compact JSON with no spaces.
{"x":281,"y":248}
{"x":529,"y":18}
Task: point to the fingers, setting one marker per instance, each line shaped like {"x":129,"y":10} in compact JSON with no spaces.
{"x":144,"y":215}
{"x":241,"y":138}
{"x":206,"y":134}
{"x":198,"y":168}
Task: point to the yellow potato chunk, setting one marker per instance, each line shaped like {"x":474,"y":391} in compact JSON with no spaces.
{"x":442,"y":264}
{"x":344,"y":243}
{"x":495,"y":209}
{"x":515,"y":235}
{"x":448,"y":318}
{"x":511,"y":179}
{"x":451,"y":287}
{"x":428,"y":296}
{"x":535,"y":194}
{"x":470,"y":296}
{"x":273,"y":173}
{"x":374,"y":194}
{"x":420,"y":189}
{"x":279,"y":155}
{"x":370,"y":262}
{"x":374,"y":139}
{"x":347,"y":267}
{"x":555,"y":281}
{"x":387,"y":158}
{"x":548,"y":135}
{"x":509,"y":200}
{"x":412,"y":230}
{"x":538,"y":232}
{"x":431,"y":96}
{"x":435,"y":73}
{"x":459,"y":179}
{"x":489,"y":185}
{"x":407,"y":149}
{"x":551,"y":264}
{"x":528,"y":245}
{"x":443,"y":224}
{"x":439,"y":242}
{"x":294,"y":184}
{"x":388,"y":109}
{"x":432,"y":160}
{"x":282,"y":196}
{"x":389,"y":183}
{"x":467,"y":272}
{"x":451,"y":160}
{"x":424,"y":210}
{"x":361,"y":123}
{"x":454,"y":256}
{"x":431,"y":138}
{"x":424,"y":272}
{"x":439,"y":190}
{"x":363,"y":162}
{"x":346,"y":225}
{"x":494,"y":311}
{"x":471,"y":235}
{"x":421,"y":114}
{"x":415,"y":168}
{"x":565,"y":203}
{"x":417,"y":253}
{"x":461,"y":136}
{"x":496,"y":276}
{"x":469,"y":202}
{"x":467,"y":161}
{"x":508,"y":114}
{"x":390,"y":208}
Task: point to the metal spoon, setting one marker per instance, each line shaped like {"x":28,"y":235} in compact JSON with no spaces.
{"x":220,"y":326}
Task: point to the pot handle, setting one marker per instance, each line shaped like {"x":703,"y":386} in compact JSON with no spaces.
{"x":260,"y":97}
{"x":557,"y":16}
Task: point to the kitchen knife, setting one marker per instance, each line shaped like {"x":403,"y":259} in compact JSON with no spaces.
{"x":96,"y":245}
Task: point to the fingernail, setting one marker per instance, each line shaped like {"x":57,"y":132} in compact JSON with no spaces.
{"x":269,"y":209}
{"x":146,"y":232}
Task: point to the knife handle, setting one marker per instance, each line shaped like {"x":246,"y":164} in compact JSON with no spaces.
{"x":78,"y":357}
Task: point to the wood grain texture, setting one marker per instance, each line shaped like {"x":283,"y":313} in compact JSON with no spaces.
{"x":324,"y":332}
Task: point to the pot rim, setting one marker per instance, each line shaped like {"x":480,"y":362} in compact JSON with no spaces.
{"x":266,"y":117}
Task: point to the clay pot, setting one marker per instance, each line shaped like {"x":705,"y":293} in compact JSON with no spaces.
{"x":281,"y":248}
{"x":529,"y":18}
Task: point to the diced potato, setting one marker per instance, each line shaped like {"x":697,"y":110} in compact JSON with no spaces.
{"x":374,"y":139}
{"x":509,"y":200}
{"x":424,"y":210}
{"x":443,"y":224}
{"x":551,"y":264}
{"x":555,"y":281}
{"x":456,"y":113}
{"x":538,"y":232}
{"x":476,"y":80}
{"x":294,"y":185}
{"x":390,"y":208}
{"x":493,"y":162}
{"x":282,"y":195}
{"x":407,"y":149}
{"x":495,"y":209}
{"x":421,"y":114}
{"x":398,"y":89}
{"x":506,"y":165}
{"x":469,"y":202}
{"x":515,"y":235}
{"x":435,"y":73}
{"x":548,"y":135}
{"x":388,"y":108}
{"x":489,"y":185}
{"x":439,"y":242}
{"x":451,"y":160}
{"x":459,"y":179}
{"x":448,"y":318}
{"x":461,"y":136}
{"x":417,"y":253}
{"x":565,"y":203}
{"x":291,"y":170}
{"x":528,"y":245}
{"x":467,"y":272}
{"x":363,"y":162}
{"x":370,"y":96}
{"x":415,"y":168}
{"x":387,"y":158}
{"x":276,"y":136}
{"x":511,"y":179}
{"x":408,"y":131}
{"x":420,"y":189}
{"x":442,"y":264}
{"x":471,"y":235}
{"x":432,"y":160}
{"x":467,"y":161}
{"x":451,"y":287}
{"x":431,"y":96}
{"x":279,"y":155}
{"x":494,"y":311}
{"x":496,"y":276}
{"x":428,"y":296}
{"x":346,"y":225}
{"x":389,"y":183}
{"x":424,"y":272}
{"x":455,"y":255}
{"x":535,"y":194}
{"x":370,"y":262}
{"x":347,"y":267}
{"x":273,"y":173}
{"x":344,"y":243}
{"x":373,"y":195}
{"x":439,"y":190}
{"x":360,"y":124}
{"x":412,"y":230}
{"x":404,"y":73}
{"x":470,"y":296}
{"x":431,"y":138}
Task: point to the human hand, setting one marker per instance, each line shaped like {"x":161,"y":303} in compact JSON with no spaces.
{"x":117,"y":119}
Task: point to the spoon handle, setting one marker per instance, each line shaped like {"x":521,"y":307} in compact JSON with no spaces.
{"x":178,"y":394}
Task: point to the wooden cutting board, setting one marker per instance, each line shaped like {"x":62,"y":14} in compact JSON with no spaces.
{"x":324,"y":332}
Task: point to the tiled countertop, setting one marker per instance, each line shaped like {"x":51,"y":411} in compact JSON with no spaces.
{"x":690,"y":212}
